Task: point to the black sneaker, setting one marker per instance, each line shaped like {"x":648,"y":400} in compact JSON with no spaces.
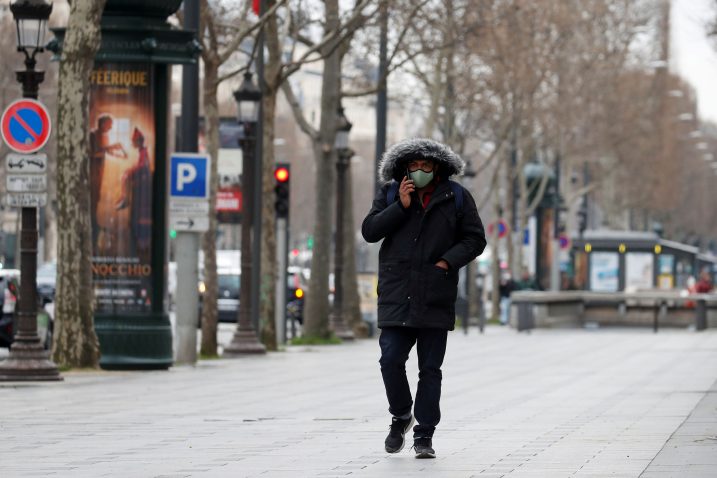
{"x":395,"y":439}
{"x":423,"y":447}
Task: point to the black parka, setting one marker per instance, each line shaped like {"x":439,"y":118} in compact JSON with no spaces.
{"x":412,"y":290}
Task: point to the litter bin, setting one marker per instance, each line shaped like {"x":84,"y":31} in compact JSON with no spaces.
{"x":526,"y":320}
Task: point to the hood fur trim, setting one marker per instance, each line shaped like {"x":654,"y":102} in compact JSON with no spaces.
{"x":394,"y":161}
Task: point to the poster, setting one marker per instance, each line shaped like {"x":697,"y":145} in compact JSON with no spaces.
{"x":666,"y":264}
{"x":639,"y":271}
{"x":604,"y":272}
{"x":122,"y":161}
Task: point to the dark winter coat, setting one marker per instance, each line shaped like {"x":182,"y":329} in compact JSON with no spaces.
{"x":412,"y":290}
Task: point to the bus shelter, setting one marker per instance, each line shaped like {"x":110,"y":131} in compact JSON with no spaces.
{"x":612,"y":261}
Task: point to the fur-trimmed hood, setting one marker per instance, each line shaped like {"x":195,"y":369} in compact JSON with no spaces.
{"x":394,"y":161}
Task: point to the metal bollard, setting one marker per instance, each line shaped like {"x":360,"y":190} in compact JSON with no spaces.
{"x":526,"y":321}
{"x":701,"y":315}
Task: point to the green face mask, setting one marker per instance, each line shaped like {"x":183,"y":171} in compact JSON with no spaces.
{"x":421,"y":178}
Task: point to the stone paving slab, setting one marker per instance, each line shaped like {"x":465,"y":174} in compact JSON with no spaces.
{"x":553,"y":403}
{"x":691,"y":451}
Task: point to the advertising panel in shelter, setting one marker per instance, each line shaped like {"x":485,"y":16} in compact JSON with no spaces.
{"x":122,"y":163}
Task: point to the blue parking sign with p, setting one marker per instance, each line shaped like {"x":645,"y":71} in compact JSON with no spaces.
{"x":189,"y":176}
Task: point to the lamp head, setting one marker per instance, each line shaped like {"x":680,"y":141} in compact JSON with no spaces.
{"x":31,"y":20}
{"x":248,"y":97}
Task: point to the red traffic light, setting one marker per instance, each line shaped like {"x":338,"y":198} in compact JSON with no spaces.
{"x":281,"y":175}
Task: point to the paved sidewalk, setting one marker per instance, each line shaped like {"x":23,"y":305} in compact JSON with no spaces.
{"x":562,"y":403}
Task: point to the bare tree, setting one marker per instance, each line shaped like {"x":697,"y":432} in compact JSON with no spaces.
{"x":226,"y":27}
{"x":75,"y":342}
{"x":331,"y":48}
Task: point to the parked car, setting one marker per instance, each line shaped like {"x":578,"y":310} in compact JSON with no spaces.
{"x":228,"y":282}
{"x":9,"y":294}
{"x":229,"y":287}
{"x":46,"y":280}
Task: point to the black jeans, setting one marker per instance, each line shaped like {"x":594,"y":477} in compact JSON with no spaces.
{"x":396,"y":343}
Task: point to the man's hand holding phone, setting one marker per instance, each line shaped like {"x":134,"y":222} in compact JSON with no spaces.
{"x":405,"y":190}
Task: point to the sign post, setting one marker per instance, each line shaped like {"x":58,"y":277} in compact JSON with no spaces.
{"x":25,"y":128}
{"x":189,"y":215}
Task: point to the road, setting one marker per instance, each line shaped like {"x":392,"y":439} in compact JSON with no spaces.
{"x":553,"y":403}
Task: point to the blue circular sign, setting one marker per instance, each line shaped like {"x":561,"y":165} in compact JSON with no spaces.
{"x":25,"y":126}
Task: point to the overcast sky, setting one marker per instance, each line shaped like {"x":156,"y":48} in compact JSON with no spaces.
{"x":694,"y":56}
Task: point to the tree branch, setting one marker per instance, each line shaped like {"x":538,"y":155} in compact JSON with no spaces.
{"x":331,"y":41}
{"x":239,"y":38}
{"x":305,"y":126}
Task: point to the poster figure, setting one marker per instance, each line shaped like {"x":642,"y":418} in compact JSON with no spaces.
{"x":101,"y":146}
{"x":137,"y":196}
{"x":121,"y":172}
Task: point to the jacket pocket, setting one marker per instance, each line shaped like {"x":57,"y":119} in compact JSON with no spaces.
{"x":393,"y":280}
{"x":441,"y":287}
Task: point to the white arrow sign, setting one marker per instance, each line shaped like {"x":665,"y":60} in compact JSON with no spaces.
{"x":26,"y":163}
{"x":30,"y":183}
{"x":190,"y":223}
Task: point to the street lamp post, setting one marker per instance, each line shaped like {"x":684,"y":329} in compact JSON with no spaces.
{"x":468,"y":175}
{"x":248,"y":98}
{"x":28,"y":361}
{"x":344,"y":153}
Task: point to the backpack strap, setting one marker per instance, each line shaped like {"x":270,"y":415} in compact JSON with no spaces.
{"x":458,"y":197}
{"x":392,"y":192}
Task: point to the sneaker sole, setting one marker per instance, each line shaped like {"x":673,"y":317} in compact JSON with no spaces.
{"x":403,"y":443}
{"x":424,"y":455}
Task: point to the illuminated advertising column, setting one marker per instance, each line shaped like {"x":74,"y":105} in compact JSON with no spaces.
{"x":128,"y":127}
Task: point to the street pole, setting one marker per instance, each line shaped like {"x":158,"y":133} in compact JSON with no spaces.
{"x":468,"y":176}
{"x":336,"y":320}
{"x":28,"y":361}
{"x":187,"y":243}
{"x":258,"y":157}
{"x":245,"y":340}
{"x":382,"y":96}
{"x":555,"y":270}
{"x":281,"y":280}
{"x":187,"y":297}
{"x":515,"y":235}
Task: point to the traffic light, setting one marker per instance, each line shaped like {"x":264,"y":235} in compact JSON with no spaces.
{"x":582,"y":219}
{"x":282,"y":176}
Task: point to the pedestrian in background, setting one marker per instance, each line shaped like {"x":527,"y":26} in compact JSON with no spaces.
{"x":527,"y":282}
{"x":704,"y":285}
{"x":505,"y":288}
{"x":430,"y":229}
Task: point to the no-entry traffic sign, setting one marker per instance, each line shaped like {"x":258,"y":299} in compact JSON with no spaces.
{"x":25,"y":126}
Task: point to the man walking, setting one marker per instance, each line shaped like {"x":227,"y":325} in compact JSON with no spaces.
{"x":430,"y":229}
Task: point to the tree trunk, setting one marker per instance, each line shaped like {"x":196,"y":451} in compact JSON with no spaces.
{"x":514,"y":226}
{"x":316,"y":313}
{"x":209,"y":239}
{"x":317,"y":302}
{"x":435,"y":92}
{"x":267,"y":282}
{"x":76,"y":343}
{"x":351,"y":300}
{"x":267,"y":285}
{"x":50,"y":226}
